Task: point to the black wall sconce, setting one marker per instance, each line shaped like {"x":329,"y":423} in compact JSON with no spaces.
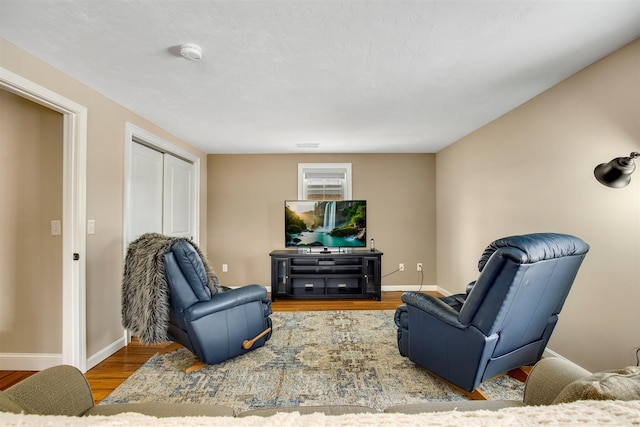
{"x":616,"y":173}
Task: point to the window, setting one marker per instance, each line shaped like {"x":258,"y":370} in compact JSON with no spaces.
{"x":324,"y":181}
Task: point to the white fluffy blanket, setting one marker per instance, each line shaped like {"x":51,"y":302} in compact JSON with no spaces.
{"x":582,"y":413}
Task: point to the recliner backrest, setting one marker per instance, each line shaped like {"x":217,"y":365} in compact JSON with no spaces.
{"x":522,"y":286}
{"x":184,"y":271}
{"x":185,"y":275}
{"x":192,"y":268}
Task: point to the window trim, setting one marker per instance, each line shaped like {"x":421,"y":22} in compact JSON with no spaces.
{"x":303,"y":168}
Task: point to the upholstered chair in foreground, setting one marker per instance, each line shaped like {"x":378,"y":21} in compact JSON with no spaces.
{"x":505,"y":319}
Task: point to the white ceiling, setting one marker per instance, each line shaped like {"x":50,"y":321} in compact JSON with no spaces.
{"x":353,"y":76}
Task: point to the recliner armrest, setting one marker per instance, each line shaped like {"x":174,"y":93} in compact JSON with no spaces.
{"x":434,"y":307}
{"x":225,"y":300}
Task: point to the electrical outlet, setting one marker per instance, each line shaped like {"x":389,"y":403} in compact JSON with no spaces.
{"x":401,"y":267}
{"x":419,"y":266}
{"x":225,"y":268}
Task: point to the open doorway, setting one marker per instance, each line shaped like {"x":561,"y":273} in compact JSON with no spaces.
{"x":72,"y":350}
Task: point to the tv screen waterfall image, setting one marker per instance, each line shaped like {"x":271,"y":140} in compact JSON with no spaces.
{"x":335,"y":224}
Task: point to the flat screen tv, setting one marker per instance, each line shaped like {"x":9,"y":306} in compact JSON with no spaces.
{"x":325,"y":224}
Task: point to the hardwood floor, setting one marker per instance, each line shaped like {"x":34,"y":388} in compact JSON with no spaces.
{"x":109,"y":374}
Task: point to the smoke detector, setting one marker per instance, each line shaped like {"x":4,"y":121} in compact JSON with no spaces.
{"x":191,"y":51}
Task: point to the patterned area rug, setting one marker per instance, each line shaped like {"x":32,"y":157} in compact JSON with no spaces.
{"x":312,"y":358}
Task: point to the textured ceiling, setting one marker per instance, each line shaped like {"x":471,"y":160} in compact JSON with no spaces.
{"x":351,"y":76}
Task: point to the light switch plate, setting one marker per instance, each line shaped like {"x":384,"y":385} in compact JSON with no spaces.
{"x":56,"y":227}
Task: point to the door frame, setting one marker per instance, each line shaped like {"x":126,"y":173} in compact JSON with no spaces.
{"x":74,"y":345}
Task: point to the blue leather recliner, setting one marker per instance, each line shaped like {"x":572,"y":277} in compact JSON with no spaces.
{"x":505,"y":319}
{"x":213,"y":326}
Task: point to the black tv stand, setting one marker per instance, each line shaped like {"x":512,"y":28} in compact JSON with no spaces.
{"x":354,"y":273}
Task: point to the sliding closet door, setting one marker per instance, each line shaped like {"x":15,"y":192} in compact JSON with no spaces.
{"x":162,"y":192}
{"x":179,"y":197}
{"x":146,"y":191}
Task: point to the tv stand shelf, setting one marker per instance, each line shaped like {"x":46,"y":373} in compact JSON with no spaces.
{"x":354,"y":273}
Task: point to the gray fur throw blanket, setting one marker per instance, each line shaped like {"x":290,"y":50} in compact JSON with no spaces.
{"x":145,"y":291}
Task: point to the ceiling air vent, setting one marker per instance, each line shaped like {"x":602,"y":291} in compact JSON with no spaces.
{"x":308,"y":145}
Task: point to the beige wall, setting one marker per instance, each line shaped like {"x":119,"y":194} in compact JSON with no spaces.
{"x":30,"y":257}
{"x":246,"y":211}
{"x":532,"y":170}
{"x":105,"y":189}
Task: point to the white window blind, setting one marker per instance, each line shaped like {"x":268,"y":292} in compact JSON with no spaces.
{"x":324,"y":181}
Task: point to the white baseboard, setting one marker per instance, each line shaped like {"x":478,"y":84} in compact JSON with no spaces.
{"x":443,"y":291}
{"x":415,"y":288}
{"x":40,"y":361}
{"x":98,"y":357}
{"x":29,"y":361}
{"x":550,"y":353}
